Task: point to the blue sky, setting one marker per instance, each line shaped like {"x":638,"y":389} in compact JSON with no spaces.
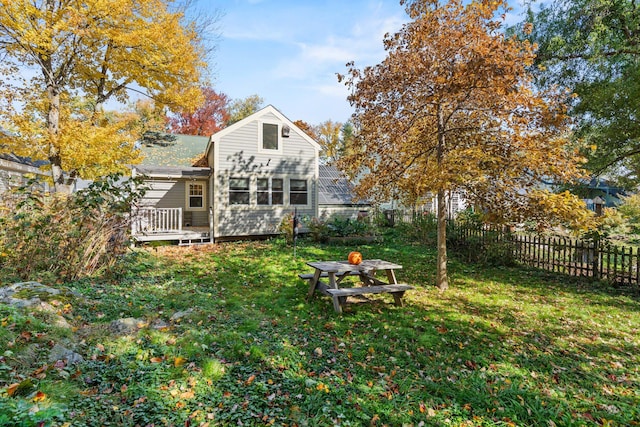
{"x":289,"y":51}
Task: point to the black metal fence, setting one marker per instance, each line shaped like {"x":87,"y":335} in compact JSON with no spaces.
{"x":597,"y":259}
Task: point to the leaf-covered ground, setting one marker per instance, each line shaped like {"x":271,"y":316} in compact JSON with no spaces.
{"x":502,"y":347}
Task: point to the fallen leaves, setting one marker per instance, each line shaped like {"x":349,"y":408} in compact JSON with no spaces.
{"x":250,"y":380}
{"x":179,"y":361}
{"x":39,"y":396}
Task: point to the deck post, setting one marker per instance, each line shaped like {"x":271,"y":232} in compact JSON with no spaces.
{"x":210,"y":224}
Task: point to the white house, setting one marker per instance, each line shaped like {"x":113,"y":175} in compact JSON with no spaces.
{"x":259,"y":170}
{"x":14,"y":171}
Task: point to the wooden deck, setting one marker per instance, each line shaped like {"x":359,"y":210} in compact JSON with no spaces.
{"x":186,"y":236}
{"x":150,"y":224}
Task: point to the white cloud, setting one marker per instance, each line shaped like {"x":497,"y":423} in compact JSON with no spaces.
{"x":362,"y":43}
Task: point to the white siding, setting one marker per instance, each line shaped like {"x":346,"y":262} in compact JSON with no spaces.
{"x":170,"y":193}
{"x":239,"y":154}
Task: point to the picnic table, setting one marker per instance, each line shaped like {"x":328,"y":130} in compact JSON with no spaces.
{"x":337,"y":271}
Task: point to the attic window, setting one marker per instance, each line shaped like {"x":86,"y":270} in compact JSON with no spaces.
{"x":269,"y":136}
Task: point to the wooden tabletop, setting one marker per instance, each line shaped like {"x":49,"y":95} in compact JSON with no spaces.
{"x":343,"y":266}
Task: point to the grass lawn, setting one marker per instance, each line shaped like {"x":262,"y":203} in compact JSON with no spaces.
{"x":502,"y":347}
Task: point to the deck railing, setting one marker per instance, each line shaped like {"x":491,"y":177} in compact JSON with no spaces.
{"x":157,"y":220}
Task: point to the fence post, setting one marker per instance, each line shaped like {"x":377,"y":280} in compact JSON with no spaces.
{"x":596,"y":258}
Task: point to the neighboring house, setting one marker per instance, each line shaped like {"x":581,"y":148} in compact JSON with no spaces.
{"x":15,"y":171}
{"x":258,"y":170}
{"x":599,"y":193}
{"x":335,"y":195}
{"x":456,"y":203}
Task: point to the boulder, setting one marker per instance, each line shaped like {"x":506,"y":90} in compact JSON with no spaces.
{"x":59,"y":352}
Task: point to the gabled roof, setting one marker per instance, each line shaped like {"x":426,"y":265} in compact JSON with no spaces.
{"x":163,"y":149}
{"x":269,"y":109}
{"x":334,"y":188}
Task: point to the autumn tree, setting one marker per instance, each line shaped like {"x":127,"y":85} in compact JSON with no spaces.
{"x":95,"y":50}
{"x":329,"y":139}
{"x":147,"y":116}
{"x":346,"y":138}
{"x":207,"y":119}
{"x":241,"y":108}
{"x":452,"y":108}
{"x":306,"y":128}
{"x":593,"y":48}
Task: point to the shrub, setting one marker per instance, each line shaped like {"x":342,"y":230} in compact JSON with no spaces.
{"x":470,"y":240}
{"x":322,"y":230}
{"x":344,"y":227}
{"x":319,"y":230}
{"x":423,"y":228}
{"x":64,"y":237}
{"x":630,"y":212}
{"x":285,"y":228}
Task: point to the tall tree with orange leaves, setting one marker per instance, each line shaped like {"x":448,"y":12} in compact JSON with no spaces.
{"x":452,"y":108}
{"x":57,"y":52}
{"x":207,"y":119}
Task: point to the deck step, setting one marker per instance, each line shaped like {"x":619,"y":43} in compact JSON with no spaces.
{"x":344,"y":292}
{"x":194,"y":241}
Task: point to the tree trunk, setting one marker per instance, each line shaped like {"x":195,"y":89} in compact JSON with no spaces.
{"x":53,"y":129}
{"x":53,"y":118}
{"x":442,"y":281}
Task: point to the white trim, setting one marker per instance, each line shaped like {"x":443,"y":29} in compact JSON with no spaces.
{"x":187,"y":195}
{"x":216,"y":189}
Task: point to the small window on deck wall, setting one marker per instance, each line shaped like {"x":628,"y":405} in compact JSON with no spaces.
{"x":298,"y":192}
{"x":238,"y":191}
{"x":195,"y":196}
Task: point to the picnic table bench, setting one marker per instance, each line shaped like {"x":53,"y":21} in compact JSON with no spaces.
{"x":337,"y":271}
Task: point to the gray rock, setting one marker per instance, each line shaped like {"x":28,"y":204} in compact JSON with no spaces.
{"x":59,"y":352}
{"x":127,"y":325}
{"x":159,"y":324}
{"x":29,"y":294}
{"x":181,"y":314}
{"x":57,"y":320}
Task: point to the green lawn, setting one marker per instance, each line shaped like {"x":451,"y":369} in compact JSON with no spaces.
{"x":502,"y":347}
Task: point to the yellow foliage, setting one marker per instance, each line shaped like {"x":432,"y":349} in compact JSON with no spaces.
{"x":564,"y":209}
{"x":95,"y":50}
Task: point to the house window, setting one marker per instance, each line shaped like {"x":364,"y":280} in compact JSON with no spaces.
{"x":269,"y":136}
{"x":238,"y":191}
{"x":277,"y":191}
{"x":298,"y":192}
{"x":270,"y":195}
{"x":195,"y":196}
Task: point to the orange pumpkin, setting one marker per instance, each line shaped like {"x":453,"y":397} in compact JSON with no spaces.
{"x":354,"y":258}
